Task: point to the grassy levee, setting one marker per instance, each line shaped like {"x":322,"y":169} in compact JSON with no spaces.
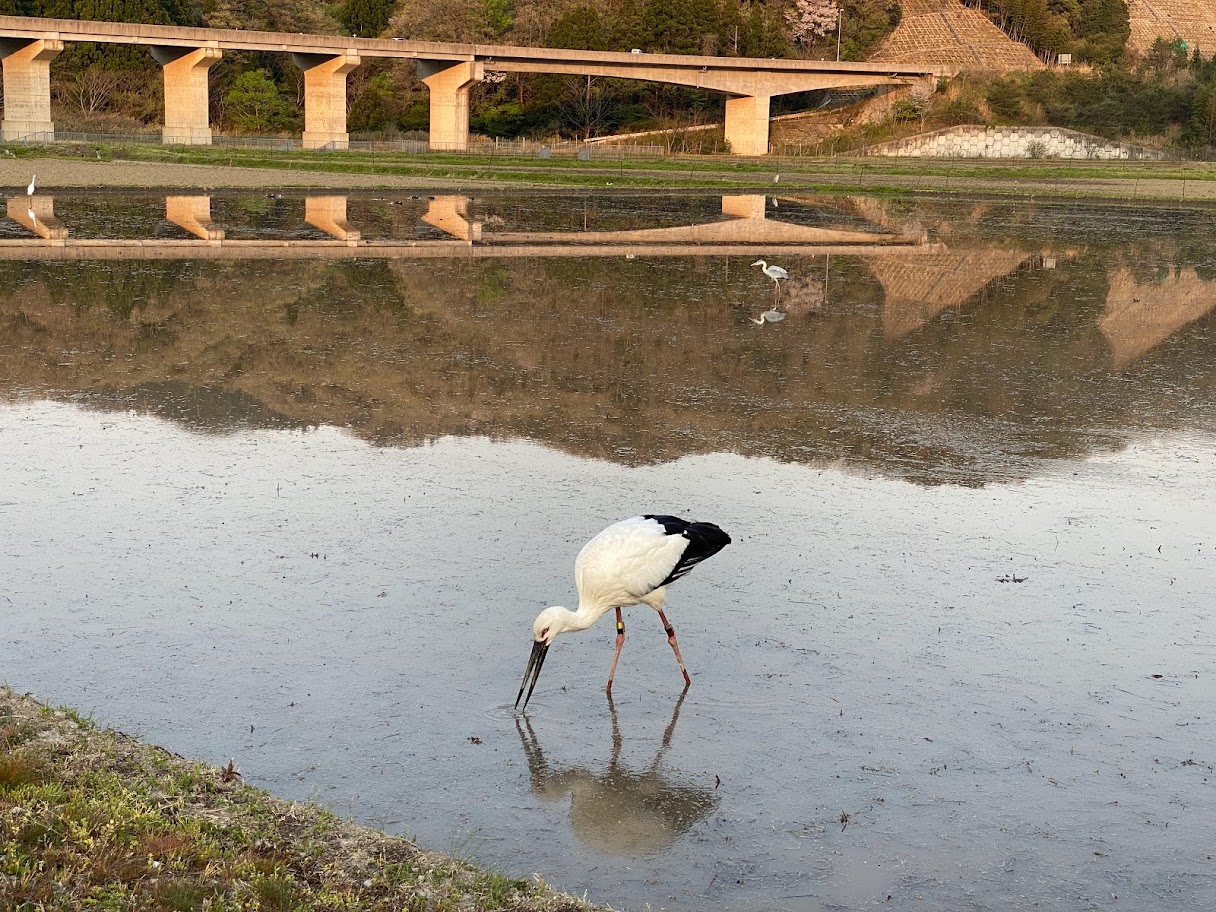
{"x":1130,"y":180}
{"x":93,"y":819}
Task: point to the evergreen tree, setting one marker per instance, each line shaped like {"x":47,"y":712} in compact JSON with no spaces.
{"x":374,"y":108}
{"x":80,"y":56}
{"x":627,"y":30}
{"x":580,"y":28}
{"x":775,"y":40}
{"x":366,"y":18}
{"x":706,"y":24}
{"x":170,"y":12}
{"x":731,"y":31}
{"x":667,"y":27}
{"x":753,"y":41}
{"x":1201,"y":130}
{"x":681,"y":26}
{"x":20,"y":8}
{"x":495,"y":17}
{"x":1103,"y":27}
{"x":864,"y":24}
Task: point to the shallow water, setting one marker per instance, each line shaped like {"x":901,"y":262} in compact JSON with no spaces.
{"x":302,"y":514}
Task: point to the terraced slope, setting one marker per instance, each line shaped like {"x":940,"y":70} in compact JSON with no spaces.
{"x":946,"y":32}
{"x":1140,"y":316}
{"x":1192,"y":21}
{"x":917,"y":289}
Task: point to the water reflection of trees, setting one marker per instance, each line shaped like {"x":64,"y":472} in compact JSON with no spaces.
{"x":640,"y":360}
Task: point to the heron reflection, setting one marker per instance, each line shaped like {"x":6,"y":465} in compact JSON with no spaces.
{"x":769,"y":316}
{"x":618,"y":810}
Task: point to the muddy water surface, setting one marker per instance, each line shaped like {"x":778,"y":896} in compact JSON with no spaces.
{"x":959,"y":655}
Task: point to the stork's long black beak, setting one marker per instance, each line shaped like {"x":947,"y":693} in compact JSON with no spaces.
{"x":535,"y":661}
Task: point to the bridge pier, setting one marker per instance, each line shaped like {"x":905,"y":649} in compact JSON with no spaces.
{"x":187,"y":121}
{"x":27,"y":86}
{"x":325,"y":98}
{"x":329,"y":214}
{"x":745,"y":205}
{"x":747,"y":124}
{"x":193,"y":213}
{"x":37,"y":214}
{"x":450,"y":214}
{"x":449,"y":83}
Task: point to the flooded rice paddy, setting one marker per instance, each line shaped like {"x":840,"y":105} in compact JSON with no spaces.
{"x":299,"y":507}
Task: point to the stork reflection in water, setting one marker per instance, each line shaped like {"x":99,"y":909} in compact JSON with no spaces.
{"x":617,"y":810}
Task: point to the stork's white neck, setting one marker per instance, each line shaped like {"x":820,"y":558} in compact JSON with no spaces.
{"x":583,"y":618}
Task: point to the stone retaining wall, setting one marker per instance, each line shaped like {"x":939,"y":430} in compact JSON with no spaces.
{"x":1011,"y":142}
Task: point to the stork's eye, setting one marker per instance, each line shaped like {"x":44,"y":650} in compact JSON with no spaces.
{"x":545,"y":632}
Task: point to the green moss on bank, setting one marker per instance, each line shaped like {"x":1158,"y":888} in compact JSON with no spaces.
{"x":92,"y":819}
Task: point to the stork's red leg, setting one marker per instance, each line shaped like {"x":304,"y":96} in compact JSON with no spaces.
{"x":675,"y":647}
{"x":620,"y":641}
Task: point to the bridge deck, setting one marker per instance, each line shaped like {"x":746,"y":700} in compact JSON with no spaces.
{"x":27,"y":45}
{"x":31,"y":28}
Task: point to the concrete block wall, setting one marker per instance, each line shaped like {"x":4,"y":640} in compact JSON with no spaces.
{"x":1011,"y":142}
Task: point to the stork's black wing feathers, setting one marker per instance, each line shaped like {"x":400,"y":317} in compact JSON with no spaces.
{"x":704,"y":541}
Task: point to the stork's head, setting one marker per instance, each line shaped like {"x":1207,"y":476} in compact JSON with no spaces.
{"x":549,"y":623}
{"x":760,"y":263}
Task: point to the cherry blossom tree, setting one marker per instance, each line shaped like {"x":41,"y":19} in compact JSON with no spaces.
{"x":811,"y":19}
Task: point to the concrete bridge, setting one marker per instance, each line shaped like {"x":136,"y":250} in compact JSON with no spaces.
{"x":743,"y":230}
{"x":28,"y":45}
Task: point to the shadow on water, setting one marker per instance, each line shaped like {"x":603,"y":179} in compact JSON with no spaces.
{"x":616,"y":810}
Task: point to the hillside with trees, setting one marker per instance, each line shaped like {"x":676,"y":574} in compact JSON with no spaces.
{"x":1167,"y":92}
{"x":1092,"y":31}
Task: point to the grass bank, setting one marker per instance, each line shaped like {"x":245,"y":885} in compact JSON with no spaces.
{"x":92,"y":819}
{"x":206,"y":167}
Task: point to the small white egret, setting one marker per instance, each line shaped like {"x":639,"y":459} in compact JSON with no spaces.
{"x":33,"y":217}
{"x":29,"y":191}
{"x":776,"y":273}
{"x":770,"y":316}
{"x":629,"y":563}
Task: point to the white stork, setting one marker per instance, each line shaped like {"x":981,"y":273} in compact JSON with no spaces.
{"x":629,"y":563}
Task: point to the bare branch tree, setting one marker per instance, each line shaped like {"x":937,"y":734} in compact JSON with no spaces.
{"x":90,"y":90}
{"x":586,"y":105}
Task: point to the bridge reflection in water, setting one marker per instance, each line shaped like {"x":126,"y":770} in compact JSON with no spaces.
{"x":744,"y":229}
{"x":523,"y":317}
